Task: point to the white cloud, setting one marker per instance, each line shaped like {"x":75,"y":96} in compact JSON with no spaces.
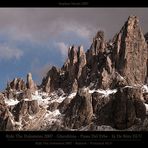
{"x":7,"y":52}
{"x":62,"y":47}
{"x":79,"y":29}
{"x":53,"y":30}
{"x":38,"y":24}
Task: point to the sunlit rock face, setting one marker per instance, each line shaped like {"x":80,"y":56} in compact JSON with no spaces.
{"x":131,"y":52}
{"x":102,"y":88}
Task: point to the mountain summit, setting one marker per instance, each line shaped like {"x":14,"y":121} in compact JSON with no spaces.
{"x":104,"y":87}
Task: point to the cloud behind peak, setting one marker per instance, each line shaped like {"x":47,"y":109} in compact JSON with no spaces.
{"x":7,"y":52}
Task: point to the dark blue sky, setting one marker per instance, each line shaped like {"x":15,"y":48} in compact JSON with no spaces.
{"x":33,"y":39}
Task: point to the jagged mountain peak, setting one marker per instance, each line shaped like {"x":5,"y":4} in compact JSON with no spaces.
{"x":99,"y":35}
{"x":133,"y":19}
{"x":103,"y":86}
{"x":131,"y":23}
{"x":131,"y":52}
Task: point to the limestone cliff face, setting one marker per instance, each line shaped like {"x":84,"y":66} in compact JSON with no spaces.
{"x":120,"y":64}
{"x":126,"y":55}
{"x":131,"y":52}
{"x":30,"y":83}
{"x":80,"y":111}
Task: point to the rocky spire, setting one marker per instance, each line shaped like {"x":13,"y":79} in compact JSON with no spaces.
{"x":30,"y":83}
{"x":81,"y":60}
{"x":73,"y":68}
{"x":97,"y":47}
{"x":72,"y":55}
{"x":17,"y":84}
{"x":51,"y":81}
{"x":131,"y":52}
{"x":79,"y":112}
{"x":99,"y":42}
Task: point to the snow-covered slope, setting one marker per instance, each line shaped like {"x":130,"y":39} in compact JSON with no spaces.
{"x":104,"y":93}
{"x":50,"y":119}
{"x":11,"y":102}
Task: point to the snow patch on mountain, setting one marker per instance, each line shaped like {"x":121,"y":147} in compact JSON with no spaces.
{"x":144,"y":89}
{"x":50,"y":119}
{"x":53,"y":114}
{"x":58,"y":99}
{"x":72,"y":95}
{"x":107,"y":92}
{"x":36,"y":96}
{"x":104,"y":93}
{"x":18,"y":92}
{"x":128,"y":86}
{"x":11,"y":102}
